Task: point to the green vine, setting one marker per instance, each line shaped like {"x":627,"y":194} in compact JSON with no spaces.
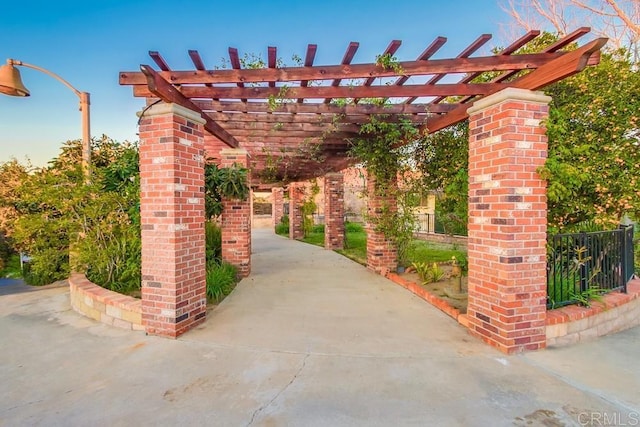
{"x":389,"y":62}
{"x":380,"y":150}
{"x":309,"y":207}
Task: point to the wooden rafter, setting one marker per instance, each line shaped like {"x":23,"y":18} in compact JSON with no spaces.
{"x":308,"y":62}
{"x":474,"y":46}
{"x":390,"y":50}
{"x":346,"y":60}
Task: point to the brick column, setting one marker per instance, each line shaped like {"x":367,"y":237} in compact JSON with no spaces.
{"x":334,"y":211}
{"x":172,"y":218}
{"x":508,"y":220}
{"x":382,"y":254}
{"x":296,"y":222}
{"x":277,"y":209}
{"x":236,"y":219}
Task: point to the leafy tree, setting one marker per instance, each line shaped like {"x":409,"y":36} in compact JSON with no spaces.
{"x":594,"y":141}
{"x":594,"y":144}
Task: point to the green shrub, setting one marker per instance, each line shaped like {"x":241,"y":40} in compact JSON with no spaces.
{"x":221,"y":279}
{"x":318,"y":228}
{"x":282,"y":228}
{"x":428,"y":272}
{"x":213,"y":239}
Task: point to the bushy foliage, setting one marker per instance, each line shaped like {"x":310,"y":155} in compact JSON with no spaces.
{"x":213,"y":242}
{"x":221,"y":279}
{"x":282,"y":228}
{"x":229,"y":182}
{"x":594,"y":144}
{"x":55,"y":209}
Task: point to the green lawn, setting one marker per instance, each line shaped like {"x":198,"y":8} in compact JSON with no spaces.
{"x":420,"y":251}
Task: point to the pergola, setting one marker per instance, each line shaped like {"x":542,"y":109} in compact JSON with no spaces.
{"x":303,"y":115}
{"x":289,"y":124}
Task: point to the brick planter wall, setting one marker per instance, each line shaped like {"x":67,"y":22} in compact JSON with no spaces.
{"x":616,"y":312}
{"x":104,"y":305}
{"x":172,"y":217}
{"x":507,"y":220}
{"x":382,"y":255}
{"x":334,"y":211}
{"x":236,"y":219}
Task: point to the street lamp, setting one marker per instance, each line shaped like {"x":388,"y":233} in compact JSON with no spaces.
{"x":11,"y":84}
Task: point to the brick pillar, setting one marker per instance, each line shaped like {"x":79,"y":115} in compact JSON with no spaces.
{"x":277,"y":208}
{"x":296,"y":222}
{"x":508,"y":220}
{"x":382,"y":254}
{"x":334,"y":211}
{"x":172,"y":218}
{"x":236,"y":219}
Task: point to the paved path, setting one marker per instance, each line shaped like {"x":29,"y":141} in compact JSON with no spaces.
{"x":310,"y":339}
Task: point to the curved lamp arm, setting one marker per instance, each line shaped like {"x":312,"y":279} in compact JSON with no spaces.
{"x":84,"y":108}
{"x":52,"y":74}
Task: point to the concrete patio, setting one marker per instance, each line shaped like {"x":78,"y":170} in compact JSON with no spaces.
{"x":309,"y":339}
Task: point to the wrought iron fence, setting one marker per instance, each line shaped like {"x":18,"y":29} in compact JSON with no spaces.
{"x":428,"y":223}
{"x":585,"y":264}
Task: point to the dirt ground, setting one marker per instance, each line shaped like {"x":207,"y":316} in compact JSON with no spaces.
{"x":451,"y":289}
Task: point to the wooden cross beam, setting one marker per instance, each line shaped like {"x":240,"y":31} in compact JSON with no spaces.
{"x":162,"y":89}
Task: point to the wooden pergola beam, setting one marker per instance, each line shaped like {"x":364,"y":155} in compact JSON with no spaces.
{"x":426,"y":54}
{"x":506,"y":51}
{"x":391,"y":49}
{"x":353,"y":71}
{"x":320,"y":92}
{"x":563,"y":67}
{"x":318,"y":108}
{"x":304,"y":118}
{"x":162,"y":89}
{"x":468,"y":51}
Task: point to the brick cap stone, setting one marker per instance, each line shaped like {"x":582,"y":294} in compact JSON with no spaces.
{"x":509,"y":94}
{"x":233,"y":152}
{"x":333,"y":174}
{"x":165,"y":108}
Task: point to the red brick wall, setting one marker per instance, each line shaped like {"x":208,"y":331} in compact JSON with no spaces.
{"x":296,"y":199}
{"x":172,"y":217}
{"x":277,"y":210}
{"x":334,"y":211}
{"x":507,"y":220}
{"x":236,"y":219}
{"x":382,"y":255}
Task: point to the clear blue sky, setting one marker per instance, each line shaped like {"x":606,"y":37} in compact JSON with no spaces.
{"x":89,"y":42}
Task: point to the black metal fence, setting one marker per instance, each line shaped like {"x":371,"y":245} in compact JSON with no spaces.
{"x":428,"y":223}
{"x":582,"y":265}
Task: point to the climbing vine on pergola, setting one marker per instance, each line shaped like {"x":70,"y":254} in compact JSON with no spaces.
{"x":308,"y":131}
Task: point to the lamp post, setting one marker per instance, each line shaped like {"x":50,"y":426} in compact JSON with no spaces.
{"x":11,"y":84}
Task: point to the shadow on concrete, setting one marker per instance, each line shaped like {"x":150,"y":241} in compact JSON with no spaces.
{"x":18,"y":286}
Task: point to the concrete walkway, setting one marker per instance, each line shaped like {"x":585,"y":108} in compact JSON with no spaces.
{"x":310,"y":339}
